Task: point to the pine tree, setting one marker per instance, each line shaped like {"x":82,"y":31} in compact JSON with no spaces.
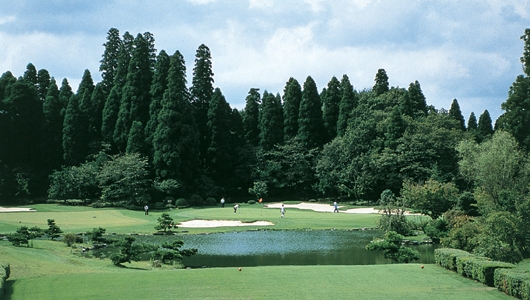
{"x":53,"y":126}
{"x":30,"y":75}
{"x":456,"y":114}
{"x":472,"y":123}
{"x":270,"y":122}
{"x":219,"y":160}
{"x":136,"y":140}
{"x":381,"y":82}
{"x":331,"y":106}
{"x":310,"y":123}
{"x":74,"y":134}
{"x":292,"y":96}
{"x":417,"y":99}
{"x":109,"y":62}
{"x":43,"y":79}
{"x":485,"y":128}
{"x":109,"y":116}
{"x":65,"y":93}
{"x":201,"y":93}
{"x":347,"y":104}
{"x":176,"y":139}
{"x":158,"y":88}
{"x":251,"y":117}
{"x":135,"y":98}
{"x":395,"y":129}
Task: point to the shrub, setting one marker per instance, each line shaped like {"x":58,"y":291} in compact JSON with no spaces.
{"x":484,"y":271}
{"x":251,"y":202}
{"x":5,"y":271}
{"x":69,"y":239}
{"x":447,"y":257}
{"x":181,"y":202}
{"x":170,"y":206}
{"x":196,"y":200}
{"x":513,"y":282}
{"x":397,"y":223}
{"x":210,"y":201}
{"x":160,"y":205}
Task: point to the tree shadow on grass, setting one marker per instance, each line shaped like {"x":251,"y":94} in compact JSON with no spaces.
{"x":8,"y":291}
{"x":132,"y":268}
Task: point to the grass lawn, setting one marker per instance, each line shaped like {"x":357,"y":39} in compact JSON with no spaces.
{"x":82,"y":219}
{"x":49,"y":270}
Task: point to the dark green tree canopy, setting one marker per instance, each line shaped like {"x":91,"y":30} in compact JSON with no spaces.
{"x":381,"y":82}
{"x":456,"y":114}
{"x":251,"y":117}
{"x":292,"y":96}
{"x":310,"y":122}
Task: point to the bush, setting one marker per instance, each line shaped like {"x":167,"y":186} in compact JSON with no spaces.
{"x":170,"y":206}
{"x":181,"y":202}
{"x":196,"y":200}
{"x":251,"y":202}
{"x":211,"y":201}
{"x":69,"y":239}
{"x":436,"y":229}
{"x":397,"y":223}
{"x":447,"y":257}
{"x":484,"y":271}
{"x":513,"y":282}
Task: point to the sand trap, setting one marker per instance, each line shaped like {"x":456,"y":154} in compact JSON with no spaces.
{"x":220,"y":223}
{"x":329,"y":208}
{"x":15,"y":209}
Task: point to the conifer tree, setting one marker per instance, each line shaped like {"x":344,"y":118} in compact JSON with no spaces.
{"x":74,"y":134}
{"x":219,"y":160}
{"x":176,"y":139}
{"x":270,"y":122}
{"x":109,"y":62}
{"x":30,"y":75}
{"x":331,"y":107}
{"x":485,"y":128}
{"x":395,"y":129}
{"x":310,"y":123}
{"x":251,"y":117}
{"x":381,"y":82}
{"x":158,"y":88}
{"x":136,"y":140}
{"x":417,"y":99}
{"x":456,"y":114}
{"x":472,"y":123}
{"x":201,"y":93}
{"x":43,"y":79}
{"x":347,"y":104}
{"x":109,"y":116}
{"x":53,"y":126}
{"x":65,"y":93}
{"x":135,"y":98}
{"x":292,"y":96}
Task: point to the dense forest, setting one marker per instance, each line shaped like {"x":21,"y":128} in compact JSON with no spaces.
{"x":143,"y":133}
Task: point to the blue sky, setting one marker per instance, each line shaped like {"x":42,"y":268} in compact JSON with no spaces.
{"x":468,"y":50}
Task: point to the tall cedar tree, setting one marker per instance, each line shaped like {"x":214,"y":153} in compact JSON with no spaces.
{"x":270,"y":122}
{"x":395,"y":129}
{"x":472,"y":124}
{"x":456,"y":114}
{"x":381,"y":82}
{"x":136,"y":141}
{"x":74,"y":134}
{"x":158,"y":88}
{"x":485,"y":129}
{"x":292,"y":96}
{"x":44,"y":80}
{"x":135,"y":96}
{"x":109,"y":62}
{"x":201,"y":93}
{"x":176,"y":139}
{"x":331,"y":106}
{"x":417,"y":99}
{"x":219,"y":160}
{"x":347,"y":104}
{"x":310,"y":130}
{"x":109,"y":116}
{"x":251,"y":117}
{"x":30,"y":75}
{"x":65,"y":92}
{"x":53,"y":126}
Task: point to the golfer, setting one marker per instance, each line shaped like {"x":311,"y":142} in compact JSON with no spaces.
{"x":146,"y":208}
{"x":235,"y":208}
{"x":223,"y":202}
{"x":336,"y":207}
{"x":282,"y":210}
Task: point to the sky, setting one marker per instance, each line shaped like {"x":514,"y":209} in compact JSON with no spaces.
{"x":464,"y":50}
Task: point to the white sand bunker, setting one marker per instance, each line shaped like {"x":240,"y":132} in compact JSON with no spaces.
{"x":15,"y":209}
{"x":220,"y":223}
{"x":329,"y":208}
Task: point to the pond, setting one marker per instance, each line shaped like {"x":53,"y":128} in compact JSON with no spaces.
{"x":271,"y":248}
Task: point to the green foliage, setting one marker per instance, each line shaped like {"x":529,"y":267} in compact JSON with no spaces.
{"x":292,"y":96}
{"x":270,"y":121}
{"x":432,"y":198}
{"x":70,"y":238}
{"x":437,"y":229}
{"x":310,"y":123}
{"x":347,"y":104}
{"x":456,"y":114}
{"x":5,"y":271}
{"x":381,"y":82}
{"x":485,"y":129}
{"x":513,"y":282}
{"x":447,"y":257}
{"x":393,"y":248}
{"x":259,"y":189}
{"x":330,"y":107}
{"x":53,"y":230}
{"x":181,"y":202}
{"x":128,"y":251}
{"x":171,"y":251}
{"x":251,"y":117}
{"x":165,"y":221}
{"x":23,"y":235}
{"x":97,"y":236}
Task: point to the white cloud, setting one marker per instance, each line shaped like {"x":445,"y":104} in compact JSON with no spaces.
{"x":201,"y":1}
{"x":8,"y":19}
{"x":260,"y":4}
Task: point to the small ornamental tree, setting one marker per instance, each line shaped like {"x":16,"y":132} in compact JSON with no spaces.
{"x":53,"y":230}
{"x":96,"y":236}
{"x":171,"y":251}
{"x":391,"y":245}
{"x":128,"y":251}
{"x":164,"y":222}
{"x":23,"y":235}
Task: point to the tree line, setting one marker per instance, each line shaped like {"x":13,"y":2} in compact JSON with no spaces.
{"x":143,"y":132}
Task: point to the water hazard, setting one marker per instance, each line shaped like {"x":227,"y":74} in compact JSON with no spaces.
{"x":270,"y":248}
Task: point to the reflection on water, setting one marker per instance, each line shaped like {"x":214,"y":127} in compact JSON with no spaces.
{"x":267,"y":248}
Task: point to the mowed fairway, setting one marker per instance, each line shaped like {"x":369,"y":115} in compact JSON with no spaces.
{"x":283,"y":282}
{"x":82,"y":219}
